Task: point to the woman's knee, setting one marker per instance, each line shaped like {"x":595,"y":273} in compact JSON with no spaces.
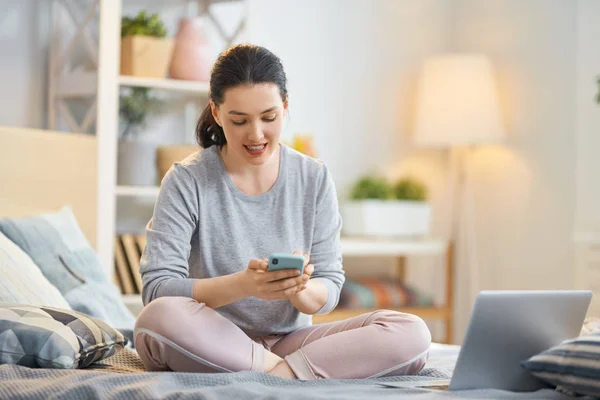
{"x":410,"y":327}
{"x":180,"y":334}
{"x":165,"y":315}
{"x":407,"y":338}
{"x":160,"y":332}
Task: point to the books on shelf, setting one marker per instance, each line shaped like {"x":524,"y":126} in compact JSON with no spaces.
{"x":128,"y":251}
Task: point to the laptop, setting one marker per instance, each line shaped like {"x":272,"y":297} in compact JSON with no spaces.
{"x":507,"y":327}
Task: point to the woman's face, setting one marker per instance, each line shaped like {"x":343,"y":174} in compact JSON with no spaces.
{"x":252,"y":119}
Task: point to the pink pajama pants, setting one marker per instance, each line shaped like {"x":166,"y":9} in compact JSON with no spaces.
{"x":180,"y":334}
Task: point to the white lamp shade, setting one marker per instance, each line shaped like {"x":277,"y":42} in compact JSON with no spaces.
{"x":457,"y":102}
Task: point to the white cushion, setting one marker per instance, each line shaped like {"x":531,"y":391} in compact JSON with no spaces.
{"x":21,"y":281}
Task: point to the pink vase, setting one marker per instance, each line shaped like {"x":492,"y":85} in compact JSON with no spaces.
{"x":192,"y":57}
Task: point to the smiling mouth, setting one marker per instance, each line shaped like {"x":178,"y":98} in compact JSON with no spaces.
{"x":257,"y":149}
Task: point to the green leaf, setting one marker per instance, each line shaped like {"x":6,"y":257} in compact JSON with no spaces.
{"x":135,"y":107}
{"x":371,"y":187}
{"x":410,"y":189}
{"x":143,"y":25}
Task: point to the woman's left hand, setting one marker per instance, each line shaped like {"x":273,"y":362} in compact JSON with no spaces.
{"x":308,"y":269}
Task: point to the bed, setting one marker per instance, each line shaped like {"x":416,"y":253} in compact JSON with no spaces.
{"x":40,"y":171}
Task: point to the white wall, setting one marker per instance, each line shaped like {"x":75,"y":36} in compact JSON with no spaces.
{"x":24,"y":27}
{"x":525,"y":191}
{"x":588,"y":117}
{"x":351,"y":67}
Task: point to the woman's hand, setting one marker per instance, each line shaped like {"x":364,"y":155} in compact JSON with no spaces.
{"x":308,"y":269}
{"x":271,"y":285}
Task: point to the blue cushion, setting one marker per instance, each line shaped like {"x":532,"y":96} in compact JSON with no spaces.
{"x":58,"y":247}
{"x":573,"y":365}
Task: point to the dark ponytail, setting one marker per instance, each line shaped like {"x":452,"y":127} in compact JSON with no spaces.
{"x":208,"y":132}
{"x":242,"y":64}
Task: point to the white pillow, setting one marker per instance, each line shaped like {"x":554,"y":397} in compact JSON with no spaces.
{"x":21,"y":281}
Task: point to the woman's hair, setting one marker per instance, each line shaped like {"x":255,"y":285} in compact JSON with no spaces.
{"x":242,"y":64}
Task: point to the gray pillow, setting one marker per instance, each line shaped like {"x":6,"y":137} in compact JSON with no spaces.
{"x":58,"y":247}
{"x":50,"y":337}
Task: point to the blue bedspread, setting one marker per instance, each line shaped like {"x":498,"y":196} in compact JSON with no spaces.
{"x":18,"y":382}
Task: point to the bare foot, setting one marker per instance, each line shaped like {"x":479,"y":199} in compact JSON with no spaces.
{"x":283,"y":370}
{"x":271,"y":361}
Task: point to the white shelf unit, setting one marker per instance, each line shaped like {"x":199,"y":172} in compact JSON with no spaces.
{"x":137,"y":191}
{"x":133,"y":302}
{"x":196,"y":88}
{"x":104,"y":83}
{"x":357,"y":247}
{"x":189,"y":88}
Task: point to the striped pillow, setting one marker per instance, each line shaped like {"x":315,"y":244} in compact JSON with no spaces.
{"x":49,"y":337}
{"x":573,"y":365}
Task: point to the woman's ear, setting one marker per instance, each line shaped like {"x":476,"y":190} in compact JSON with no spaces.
{"x":285,"y":105}
{"x":215,"y":112}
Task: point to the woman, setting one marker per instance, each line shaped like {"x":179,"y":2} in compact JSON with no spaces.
{"x":210,"y":303}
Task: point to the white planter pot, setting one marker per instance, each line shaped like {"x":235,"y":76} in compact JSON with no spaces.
{"x":387,"y":218}
{"x":136,"y":163}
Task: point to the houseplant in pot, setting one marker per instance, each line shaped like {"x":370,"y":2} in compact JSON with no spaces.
{"x":145,"y":50}
{"x":136,"y":157}
{"x":378,"y":208}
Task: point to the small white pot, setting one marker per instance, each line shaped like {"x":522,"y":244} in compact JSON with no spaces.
{"x":387,"y":218}
{"x":136,"y":163}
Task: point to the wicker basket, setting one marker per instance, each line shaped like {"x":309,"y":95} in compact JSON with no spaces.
{"x":167,"y":155}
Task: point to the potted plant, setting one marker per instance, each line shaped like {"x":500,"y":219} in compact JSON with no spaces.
{"x":145,"y":50}
{"x":378,"y":208}
{"x":136,"y":158}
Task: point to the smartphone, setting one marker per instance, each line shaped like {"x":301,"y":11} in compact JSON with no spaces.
{"x":279,"y":261}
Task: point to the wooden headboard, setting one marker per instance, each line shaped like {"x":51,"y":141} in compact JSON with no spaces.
{"x":40,"y":171}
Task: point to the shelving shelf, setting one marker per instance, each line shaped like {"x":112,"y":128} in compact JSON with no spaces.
{"x":132,"y":299}
{"x":137,"y":191}
{"x":390,"y":247}
{"x":189,"y":87}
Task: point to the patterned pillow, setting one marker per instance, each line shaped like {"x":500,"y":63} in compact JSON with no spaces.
{"x":21,"y":281}
{"x":49,"y":337}
{"x":58,"y":247}
{"x":573,"y":365}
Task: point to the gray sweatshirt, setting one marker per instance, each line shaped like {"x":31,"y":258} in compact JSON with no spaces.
{"x":203,"y":227}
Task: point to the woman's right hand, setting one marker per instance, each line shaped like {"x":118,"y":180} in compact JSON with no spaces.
{"x":257,"y":281}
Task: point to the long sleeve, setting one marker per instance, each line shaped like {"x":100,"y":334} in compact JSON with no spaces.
{"x":326,"y":252}
{"x":164,"y":264}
